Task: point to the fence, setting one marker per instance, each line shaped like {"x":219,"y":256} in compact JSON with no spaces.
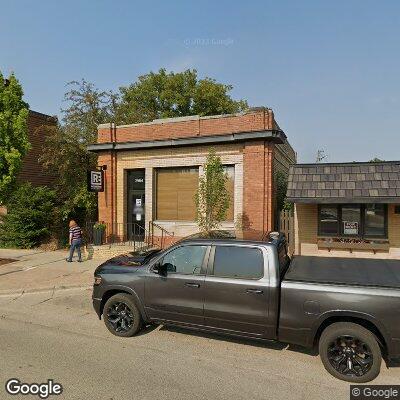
{"x":286,"y":225}
{"x":127,"y":234}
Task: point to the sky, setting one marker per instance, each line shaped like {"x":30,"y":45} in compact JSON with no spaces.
{"x":329,"y":69}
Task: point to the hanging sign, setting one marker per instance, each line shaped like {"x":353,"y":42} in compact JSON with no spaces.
{"x":95,"y":181}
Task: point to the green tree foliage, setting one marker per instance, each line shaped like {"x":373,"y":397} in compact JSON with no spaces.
{"x":30,"y":217}
{"x":281,"y":184}
{"x":154,"y":95}
{"x":167,"y":95}
{"x":212,"y":197}
{"x":14,"y":142}
{"x":65,"y":151}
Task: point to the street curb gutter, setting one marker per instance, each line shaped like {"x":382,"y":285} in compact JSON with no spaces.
{"x":20,"y":292}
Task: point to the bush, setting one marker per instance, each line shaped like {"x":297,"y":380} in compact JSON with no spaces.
{"x":29,"y":218}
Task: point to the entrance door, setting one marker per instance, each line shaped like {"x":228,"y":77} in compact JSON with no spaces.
{"x":136,"y":204}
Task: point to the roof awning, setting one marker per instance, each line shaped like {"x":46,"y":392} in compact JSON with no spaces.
{"x":370,"y":182}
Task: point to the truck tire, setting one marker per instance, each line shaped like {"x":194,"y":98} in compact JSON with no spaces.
{"x":121,"y":315}
{"x":350,"y":352}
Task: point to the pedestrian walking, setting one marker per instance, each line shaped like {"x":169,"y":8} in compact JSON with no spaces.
{"x":75,"y":240}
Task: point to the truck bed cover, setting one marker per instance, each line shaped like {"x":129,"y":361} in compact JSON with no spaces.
{"x":346,"y":271}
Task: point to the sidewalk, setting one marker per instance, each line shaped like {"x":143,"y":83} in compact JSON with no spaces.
{"x":36,"y":270}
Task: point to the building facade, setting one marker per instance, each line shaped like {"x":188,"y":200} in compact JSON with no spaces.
{"x":346,"y":209}
{"x":152,"y":170}
{"x":32,"y":171}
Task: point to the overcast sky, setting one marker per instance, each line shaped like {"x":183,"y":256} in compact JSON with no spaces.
{"x":329,"y":69}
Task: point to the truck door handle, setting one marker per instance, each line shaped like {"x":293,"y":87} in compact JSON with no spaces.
{"x":194,"y":285}
{"x":254,"y":291}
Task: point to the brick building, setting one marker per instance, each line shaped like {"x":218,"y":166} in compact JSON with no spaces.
{"x":152,"y":169}
{"x":346,"y":209}
{"x":32,"y":170}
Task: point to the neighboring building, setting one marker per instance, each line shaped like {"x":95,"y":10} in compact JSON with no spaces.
{"x":32,"y":171}
{"x":153,"y":169}
{"x":346,"y":209}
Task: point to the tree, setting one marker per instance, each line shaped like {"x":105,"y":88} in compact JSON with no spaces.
{"x":167,"y":95}
{"x":212,"y":197}
{"x":14,"y":143}
{"x":281,"y":184}
{"x":30,"y":217}
{"x":154,"y":95}
{"x":65,"y":151}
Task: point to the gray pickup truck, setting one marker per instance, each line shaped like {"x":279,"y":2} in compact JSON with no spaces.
{"x":347,"y":308}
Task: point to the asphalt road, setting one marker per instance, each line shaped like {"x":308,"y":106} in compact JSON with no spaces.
{"x":58,"y":336}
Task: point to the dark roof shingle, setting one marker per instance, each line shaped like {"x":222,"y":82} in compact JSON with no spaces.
{"x":369,"y":182}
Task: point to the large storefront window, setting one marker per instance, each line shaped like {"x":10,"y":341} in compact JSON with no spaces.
{"x":175,"y":190}
{"x":329,"y":220}
{"x":375,"y":220}
{"x":353,"y":220}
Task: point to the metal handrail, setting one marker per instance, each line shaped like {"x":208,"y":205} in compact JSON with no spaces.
{"x":119,"y":234}
{"x":127,"y":234}
{"x":164,"y":233}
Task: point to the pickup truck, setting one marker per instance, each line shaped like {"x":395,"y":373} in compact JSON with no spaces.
{"x":349,"y":309}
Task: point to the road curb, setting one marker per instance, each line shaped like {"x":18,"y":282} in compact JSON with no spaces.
{"x":20,"y":292}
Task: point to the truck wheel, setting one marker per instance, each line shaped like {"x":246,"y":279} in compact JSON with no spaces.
{"x":350,"y":352}
{"x":121,"y":315}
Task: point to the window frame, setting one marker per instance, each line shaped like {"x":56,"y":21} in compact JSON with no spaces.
{"x":211,"y":262}
{"x":361,"y":234}
{"x":339,"y":217}
{"x":225,"y":166}
{"x":203,"y":268}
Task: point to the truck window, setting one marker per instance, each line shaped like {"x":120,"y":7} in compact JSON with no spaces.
{"x":238,"y":262}
{"x":185,"y":260}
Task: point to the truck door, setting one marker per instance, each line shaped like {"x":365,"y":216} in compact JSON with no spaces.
{"x":236,"y":290}
{"x":179,"y":295}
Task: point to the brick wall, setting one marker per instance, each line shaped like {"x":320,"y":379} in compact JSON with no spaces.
{"x":284,"y":157}
{"x":32,"y":170}
{"x":172,"y":128}
{"x":105,"y":199}
{"x":231,"y":154}
{"x":258,"y":199}
{"x":253,"y":160}
{"x":253,"y":192}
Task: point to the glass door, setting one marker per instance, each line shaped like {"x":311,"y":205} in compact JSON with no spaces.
{"x":136,"y":205}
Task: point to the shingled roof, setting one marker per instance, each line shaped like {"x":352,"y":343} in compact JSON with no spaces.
{"x":356,"y":182}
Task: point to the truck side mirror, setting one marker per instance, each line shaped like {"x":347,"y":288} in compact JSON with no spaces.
{"x":160,"y":269}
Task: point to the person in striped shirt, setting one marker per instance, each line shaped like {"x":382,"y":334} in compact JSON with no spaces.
{"x":75,"y":240}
